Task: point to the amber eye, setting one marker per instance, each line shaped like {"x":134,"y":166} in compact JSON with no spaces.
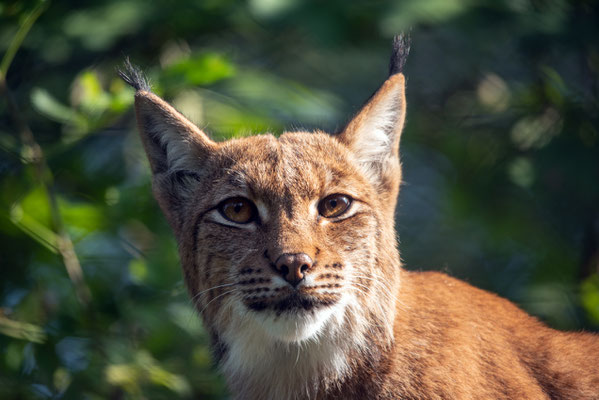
{"x":334,"y":205}
{"x":238,"y":209}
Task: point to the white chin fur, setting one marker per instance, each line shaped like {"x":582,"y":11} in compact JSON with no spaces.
{"x":272,"y":357}
{"x":293,"y":327}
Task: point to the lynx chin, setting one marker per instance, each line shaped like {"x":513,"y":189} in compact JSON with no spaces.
{"x":289,"y":252}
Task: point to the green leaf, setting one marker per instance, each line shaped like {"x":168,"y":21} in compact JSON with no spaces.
{"x":202,"y":69}
{"x":92,"y":99}
{"x":22,"y":330}
{"x":51,"y":108}
{"x":84,"y":216}
{"x":590,"y":297}
{"x":145,"y":369}
{"x":33,"y":228}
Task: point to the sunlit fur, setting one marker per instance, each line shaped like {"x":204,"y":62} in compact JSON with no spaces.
{"x":358,"y":326}
{"x":288,"y":175}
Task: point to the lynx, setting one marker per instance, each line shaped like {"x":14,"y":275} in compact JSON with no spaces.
{"x":289,"y":252}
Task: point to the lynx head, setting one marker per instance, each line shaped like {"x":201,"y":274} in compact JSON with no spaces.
{"x":284,"y":240}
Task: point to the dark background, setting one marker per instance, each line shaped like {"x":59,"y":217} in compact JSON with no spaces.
{"x":500,"y":156}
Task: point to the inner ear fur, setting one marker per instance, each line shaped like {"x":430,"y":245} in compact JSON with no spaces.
{"x":172,"y":142}
{"x":381,"y":119}
{"x":373,"y":134}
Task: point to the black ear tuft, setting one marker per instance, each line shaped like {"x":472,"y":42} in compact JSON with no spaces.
{"x":401,"y":49}
{"x":133,"y":76}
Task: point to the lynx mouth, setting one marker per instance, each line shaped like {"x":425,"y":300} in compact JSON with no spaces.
{"x":293,"y":316}
{"x":294,"y":301}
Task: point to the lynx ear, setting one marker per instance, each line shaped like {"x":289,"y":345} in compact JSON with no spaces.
{"x":172,"y":142}
{"x":176,"y":148}
{"x":373,"y":134}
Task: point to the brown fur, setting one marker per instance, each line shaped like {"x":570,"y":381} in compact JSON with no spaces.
{"x":360,"y":326}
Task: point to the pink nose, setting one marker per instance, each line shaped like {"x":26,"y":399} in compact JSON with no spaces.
{"x":293,"y":267}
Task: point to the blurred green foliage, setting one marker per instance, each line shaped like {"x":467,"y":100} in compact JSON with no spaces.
{"x":500,"y":155}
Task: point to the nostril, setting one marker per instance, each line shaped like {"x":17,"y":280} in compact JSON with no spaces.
{"x":293,"y":266}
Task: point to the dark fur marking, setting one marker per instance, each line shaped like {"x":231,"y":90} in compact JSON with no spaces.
{"x":133,"y":76}
{"x":399,"y":54}
{"x":351,"y":217}
{"x":329,"y":275}
{"x":324,"y":286}
{"x":256,"y":290}
{"x":221,"y":224}
{"x":196,"y":228}
{"x":257,"y":306}
{"x":254,"y":280}
{"x":292,"y":302}
{"x":207,"y":269}
{"x":181,"y":177}
{"x":219,"y":348}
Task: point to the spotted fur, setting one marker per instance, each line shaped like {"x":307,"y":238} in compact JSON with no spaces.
{"x":357,"y":326}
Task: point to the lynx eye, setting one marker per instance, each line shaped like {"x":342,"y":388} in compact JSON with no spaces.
{"x":334,"y":205}
{"x":238,"y":209}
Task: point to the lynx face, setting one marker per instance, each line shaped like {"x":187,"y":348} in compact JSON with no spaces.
{"x":287,"y":244}
{"x":286,"y":234}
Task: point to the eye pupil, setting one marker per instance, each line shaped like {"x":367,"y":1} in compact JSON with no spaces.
{"x":239,"y":210}
{"x":334,"y":205}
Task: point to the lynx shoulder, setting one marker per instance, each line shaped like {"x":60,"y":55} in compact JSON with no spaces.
{"x":289,"y":253}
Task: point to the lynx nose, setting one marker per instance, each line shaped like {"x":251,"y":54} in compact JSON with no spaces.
{"x":293,"y":267}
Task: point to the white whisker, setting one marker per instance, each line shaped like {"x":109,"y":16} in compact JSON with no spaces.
{"x":220,"y":295}
{"x":212,"y":288}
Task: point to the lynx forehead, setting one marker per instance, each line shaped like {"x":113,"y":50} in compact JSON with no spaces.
{"x":289,"y":254}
